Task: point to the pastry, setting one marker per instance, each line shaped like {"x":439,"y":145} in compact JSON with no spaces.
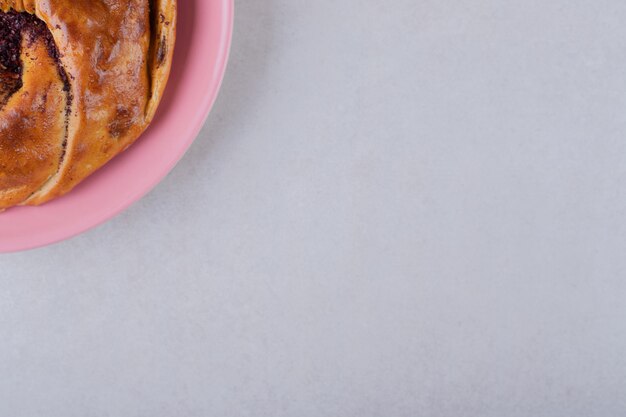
{"x":80,"y":80}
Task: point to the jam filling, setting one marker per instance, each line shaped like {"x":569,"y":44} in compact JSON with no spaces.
{"x":13,"y":27}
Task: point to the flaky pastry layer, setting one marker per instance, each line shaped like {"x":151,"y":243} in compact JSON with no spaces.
{"x":82,"y":90}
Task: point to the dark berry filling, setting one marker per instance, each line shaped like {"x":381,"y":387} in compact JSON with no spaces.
{"x":14,"y":27}
{"x":10,"y":38}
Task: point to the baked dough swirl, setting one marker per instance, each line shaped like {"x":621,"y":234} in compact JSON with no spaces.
{"x":80,"y":80}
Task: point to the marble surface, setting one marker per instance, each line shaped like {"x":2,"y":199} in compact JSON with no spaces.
{"x":408,"y":208}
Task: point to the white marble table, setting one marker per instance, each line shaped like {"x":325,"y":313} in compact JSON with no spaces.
{"x":409,"y":208}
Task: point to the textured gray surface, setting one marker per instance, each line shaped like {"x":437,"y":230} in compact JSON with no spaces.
{"x":407,"y":208}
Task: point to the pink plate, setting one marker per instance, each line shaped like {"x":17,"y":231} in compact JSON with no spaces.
{"x":202,"y":46}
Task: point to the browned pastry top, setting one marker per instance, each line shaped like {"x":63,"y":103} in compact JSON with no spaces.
{"x":80,"y":80}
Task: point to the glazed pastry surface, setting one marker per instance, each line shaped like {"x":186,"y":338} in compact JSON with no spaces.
{"x":80,"y":80}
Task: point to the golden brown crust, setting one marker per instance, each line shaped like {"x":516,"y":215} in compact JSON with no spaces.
{"x":32,"y":128}
{"x":117,"y":56}
{"x":163,"y":20}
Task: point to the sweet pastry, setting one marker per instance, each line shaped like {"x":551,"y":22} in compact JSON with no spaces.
{"x":80,"y":80}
